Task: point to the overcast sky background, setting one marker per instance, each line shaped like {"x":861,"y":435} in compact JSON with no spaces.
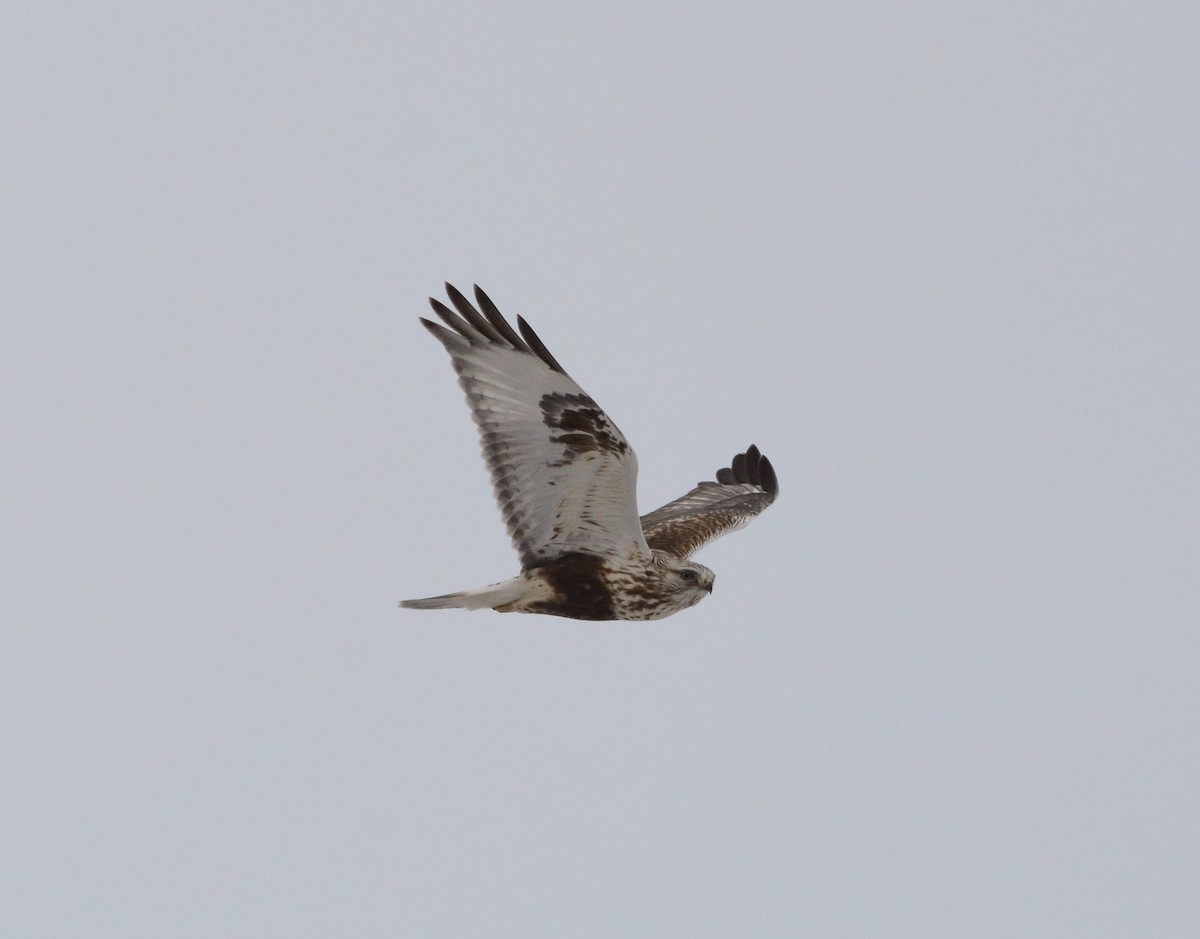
{"x":938,"y":262}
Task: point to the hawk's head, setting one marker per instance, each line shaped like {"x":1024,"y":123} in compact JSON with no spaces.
{"x":694,"y":578}
{"x":675,"y":584}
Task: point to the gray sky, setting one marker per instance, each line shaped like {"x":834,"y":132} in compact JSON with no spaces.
{"x":939,"y":262}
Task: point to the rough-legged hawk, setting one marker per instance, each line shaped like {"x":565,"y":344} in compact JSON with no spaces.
{"x":566,"y":480}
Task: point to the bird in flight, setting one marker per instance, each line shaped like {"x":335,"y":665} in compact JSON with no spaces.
{"x":566,"y":481}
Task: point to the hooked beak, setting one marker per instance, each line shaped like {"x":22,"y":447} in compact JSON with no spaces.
{"x":709,"y":586}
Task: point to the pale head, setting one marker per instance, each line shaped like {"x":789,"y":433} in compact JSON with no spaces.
{"x":681,"y":583}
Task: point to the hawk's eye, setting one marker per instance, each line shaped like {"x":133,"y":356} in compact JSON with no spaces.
{"x":689,"y":576}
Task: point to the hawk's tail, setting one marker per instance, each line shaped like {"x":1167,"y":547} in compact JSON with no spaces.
{"x":493,"y":596}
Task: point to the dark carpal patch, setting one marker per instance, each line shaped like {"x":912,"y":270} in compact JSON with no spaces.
{"x":582,"y":593}
{"x":582,"y":426}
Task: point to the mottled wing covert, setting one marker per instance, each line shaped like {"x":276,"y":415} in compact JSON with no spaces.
{"x":740,"y":492}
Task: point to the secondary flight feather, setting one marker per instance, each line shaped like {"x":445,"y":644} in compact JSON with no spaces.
{"x":566,"y":480}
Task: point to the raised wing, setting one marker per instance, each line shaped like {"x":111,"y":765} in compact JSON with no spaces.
{"x":713,"y":509}
{"x":564,"y":475}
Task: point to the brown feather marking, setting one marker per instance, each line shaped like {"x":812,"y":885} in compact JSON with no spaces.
{"x":583,"y":424}
{"x":580,"y":587}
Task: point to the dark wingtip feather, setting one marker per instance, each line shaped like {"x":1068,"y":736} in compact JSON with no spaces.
{"x":739,"y":468}
{"x":494,"y":316}
{"x":451,"y":319}
{"x":538,"y":346}
{"x":448,"y":338}
{"x":751,"y":468}
{"x":753,"y":458}
{"x":770,"y":482}
{"x":487,"y":325}
{"x":477,"y":322}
